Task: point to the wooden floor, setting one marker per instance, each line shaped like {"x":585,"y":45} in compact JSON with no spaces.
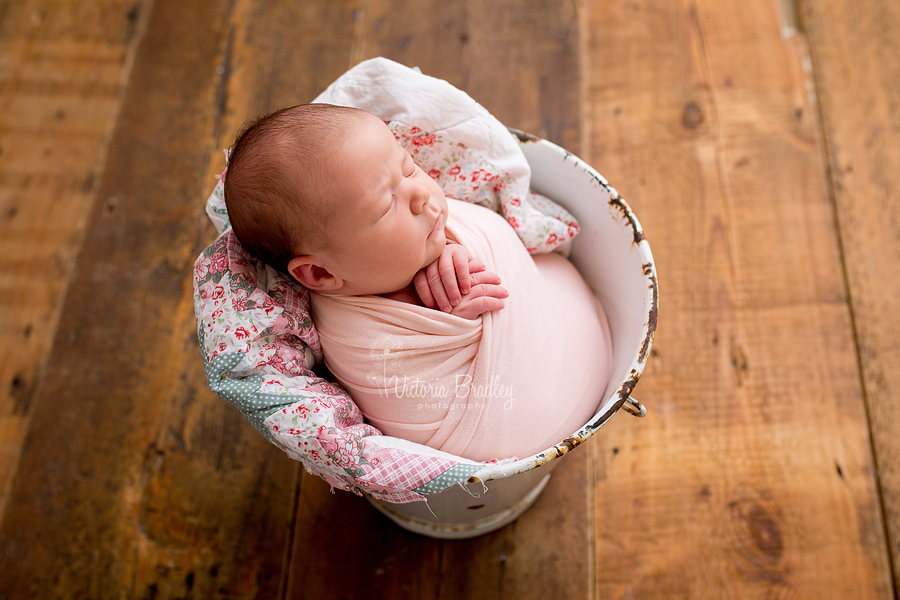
{"x":758,"y":143}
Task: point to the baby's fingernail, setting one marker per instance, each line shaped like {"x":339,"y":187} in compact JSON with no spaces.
{"x":464,"y":290}
{"x":446,"y":308}
{"x":454,"y":301}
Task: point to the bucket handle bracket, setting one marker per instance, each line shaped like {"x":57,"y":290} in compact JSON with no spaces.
{"x":635,"y":408}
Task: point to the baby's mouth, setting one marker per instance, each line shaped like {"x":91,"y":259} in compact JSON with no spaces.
{"x":434,"y":228}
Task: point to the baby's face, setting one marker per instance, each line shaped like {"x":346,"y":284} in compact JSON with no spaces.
{"x":389,"y":214}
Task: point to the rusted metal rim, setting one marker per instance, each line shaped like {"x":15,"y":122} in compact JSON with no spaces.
{"x":623,"y":392}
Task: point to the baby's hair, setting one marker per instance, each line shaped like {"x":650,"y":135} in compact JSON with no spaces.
{"x":272,"y":185}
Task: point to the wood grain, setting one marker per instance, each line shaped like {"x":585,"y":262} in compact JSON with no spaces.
{"x":546,"y":553}
{"x":854,"y":49}
{"x":752,"y":477}
{"x":135,"y":481}
{"x":61,"y":73}
{"x":518,"y":59}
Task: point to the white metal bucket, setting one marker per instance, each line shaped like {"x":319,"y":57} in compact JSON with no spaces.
{"x":615,"y":260}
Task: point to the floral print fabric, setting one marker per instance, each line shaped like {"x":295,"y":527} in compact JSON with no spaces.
{"x":258,"y":347}
{"x":541,"y":224}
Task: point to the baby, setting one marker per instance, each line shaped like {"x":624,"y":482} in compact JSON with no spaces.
{"x":305,"y":170}
{"x":326,"y":194}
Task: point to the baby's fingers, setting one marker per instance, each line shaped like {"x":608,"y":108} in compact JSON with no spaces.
{"x":420,"y":281}
{"x":435,"y":283}
{"x":483,"y":298}
{"x":475,"y":266}
{"x":454,"y":269}
{"x":490,"y":290}
{"x":484,"y":278}
{"x":476,"y":307}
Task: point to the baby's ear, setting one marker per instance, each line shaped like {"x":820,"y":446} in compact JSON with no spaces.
{"x":309,"y":271}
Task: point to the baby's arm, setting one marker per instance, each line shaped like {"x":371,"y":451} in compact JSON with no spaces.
{"x":459,"y":284}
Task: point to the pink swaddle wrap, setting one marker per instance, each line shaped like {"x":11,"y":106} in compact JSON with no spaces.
{"x":510,"y":383}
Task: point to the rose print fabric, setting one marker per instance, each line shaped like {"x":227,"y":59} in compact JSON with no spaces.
{"x":540,"y":223}
{"x":258,"y":347}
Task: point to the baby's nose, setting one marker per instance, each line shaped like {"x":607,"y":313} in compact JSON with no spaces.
{"x":418,"y":197}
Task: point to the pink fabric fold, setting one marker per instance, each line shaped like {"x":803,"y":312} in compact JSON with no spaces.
{"x":510,"y":383}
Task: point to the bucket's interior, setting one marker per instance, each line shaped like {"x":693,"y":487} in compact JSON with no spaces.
{"x":614,"y":260}
{"x":606,"y":252}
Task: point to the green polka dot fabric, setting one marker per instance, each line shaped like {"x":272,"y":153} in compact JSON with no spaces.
{"x":244,"y":393}
{"x":456,"y":474}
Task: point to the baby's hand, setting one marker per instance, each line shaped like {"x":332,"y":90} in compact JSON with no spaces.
{"x":486,"y":295}
{"x":443,"y":283}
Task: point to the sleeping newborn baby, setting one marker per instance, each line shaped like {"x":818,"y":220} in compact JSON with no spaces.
{"x":431,"y":313}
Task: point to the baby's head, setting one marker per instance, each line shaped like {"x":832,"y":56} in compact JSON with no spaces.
{"x":326,"y":194}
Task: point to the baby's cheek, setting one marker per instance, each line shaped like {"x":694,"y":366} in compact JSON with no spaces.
{"x":440,"y":243}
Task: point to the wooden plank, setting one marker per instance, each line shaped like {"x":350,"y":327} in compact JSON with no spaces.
{"x":518,"y":59}
{"x":60,"y":89}
{"x":521,"y":63}
{"x":546,"y":553}
{"x":854,"y":49}
{"x":135,"y":481}
{"x":283,"y":53}
{"x":344,"y":548}
{"x":752,"y":476}
{"x":543,"y":554}
{"x":280,"y":54}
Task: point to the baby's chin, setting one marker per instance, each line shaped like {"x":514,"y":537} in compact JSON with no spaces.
{"x":440,"y":243}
